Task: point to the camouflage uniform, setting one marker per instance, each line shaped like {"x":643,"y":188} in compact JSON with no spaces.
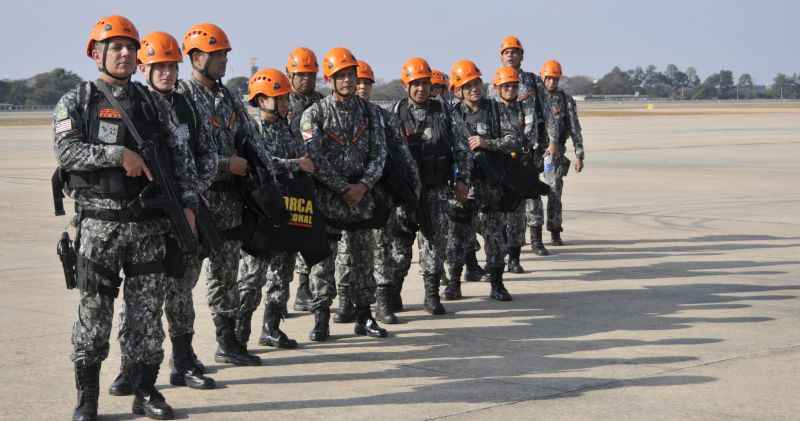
{"x":90,"y":136}
{"x":229,"y":124}
{"x":393,"y":243}
{"x":504,"y":138}
{"x":297,"y":104}
{"x":522,"y":118}
{"x":433,"y":137}
{"x":561,"y":114}
{"x":281,"y":146}
{"x":345,"y":140}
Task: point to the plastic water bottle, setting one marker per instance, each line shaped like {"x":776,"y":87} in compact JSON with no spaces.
{"x":549,"y":170}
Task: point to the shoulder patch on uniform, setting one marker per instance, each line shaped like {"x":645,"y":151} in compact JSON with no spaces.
{"x":63,"y":126}
{"x":109,"y":113}
{"x":61,"y":113}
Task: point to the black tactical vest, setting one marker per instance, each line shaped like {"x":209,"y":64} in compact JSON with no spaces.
{"x":430,"y":150}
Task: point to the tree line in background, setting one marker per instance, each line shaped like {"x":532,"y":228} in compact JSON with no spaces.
{"x":47,"y":88}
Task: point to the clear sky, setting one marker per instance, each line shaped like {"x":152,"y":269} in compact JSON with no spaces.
{"x":588,"y":37}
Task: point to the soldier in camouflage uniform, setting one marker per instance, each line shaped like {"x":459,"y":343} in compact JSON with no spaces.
{"x":269,"y":91}
{"x":207,"y":46}
{"x":388,"y":239}
{"x":561,"y":109}
{"x":438,"y":145}
{"x":524,"y":119}
{"x":158,"y":61}
{"x":302,"y":68}
{"x":530,"y":85}
{"x":490,"y":130}
{"x":345,"y":139}
{"x":104,"y":174}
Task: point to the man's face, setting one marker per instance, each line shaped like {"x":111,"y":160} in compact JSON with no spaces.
{"x":437,"y":91}
{"x":163,"y":77}
{"x":473,"y":90}
{"x":344,"y":82}
{"x":304,"y":82}
{"x":120,"y":57}
{"x":420,"y":90}
{"x":216,"y":63}
{"x":511,"y":57}
{"x":278,"y":105}
{"x":508,"y":91}
{"x":364,"y":88}
{"x":551,"y":83}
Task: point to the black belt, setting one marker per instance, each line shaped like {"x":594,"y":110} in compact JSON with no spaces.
{"x":122,"y":215}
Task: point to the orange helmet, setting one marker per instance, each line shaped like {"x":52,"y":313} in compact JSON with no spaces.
{"x":267,"y":82}
{"x":439,"y":78}
{"x":415,"y":68}
{"x":364,"y":71}
{"x":463,"y":72}
{"x":205,"y":37}
{"x":337,"y":59}
{"x":505,"y":75}
{"x":302,"y":60}
{"x":110,"y":27}
{"x":510,"y":42}
{"x":159,"y":47}
{"x":551,"y":68}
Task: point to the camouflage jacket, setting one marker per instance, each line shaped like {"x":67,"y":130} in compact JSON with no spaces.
{"x":346,"y":141}
{"x":453,"y":132}
{"x":226,"y":118}
{"x":529,"y":83}
{"x":394,"y":135}
{"x":299,"y":103}
{"x":561,"y":109}
{"x":77,"y":149}
{"x":280,"y":145}
{"x":200,"y":141}
{"x":535,"y":135}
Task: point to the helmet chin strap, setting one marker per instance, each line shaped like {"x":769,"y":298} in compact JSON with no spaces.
{"x":103,"y":65}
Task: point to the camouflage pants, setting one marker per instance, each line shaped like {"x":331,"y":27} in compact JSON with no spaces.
{"x":535,"y":210}
{"x":300,"y":265}
{"x":515,"y":227}
{"x":321,"y":279}
{"x":393,"y":251}
{"x":460,"y":236}
{"x":494,"y":242}
{"x":432,"y":248}
{"x":256,"y":272}
{"x":113,"y":246}
{"x":222,"y":265}
{"x":354,"y":265}
{"x":179,"y":304}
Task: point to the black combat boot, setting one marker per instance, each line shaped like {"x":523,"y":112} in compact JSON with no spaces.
{"x":453,"y":290}
{"x":555,"y":235}
{"x":271,"y":334}
{"x":537,"y":245}
{"x":366,"y":325}
{"x":513,"y":260}
{"x":148,"y":401}
{"x":346,"y":313}
{"x":184,"y":372}
{"x":475,"y":272}
{"x":383,"y":308}
{"x":498,"y":290}
{"x":229,"y":349}
{"x":87,"y":382}
{"x":121,"y":385}
{"x":433,"y":304}
{"x":321,"y":330}
{"x":201,"y":368}
{"x":302,"y":298}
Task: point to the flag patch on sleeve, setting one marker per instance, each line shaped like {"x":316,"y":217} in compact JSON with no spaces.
{"x":64,"y":125}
